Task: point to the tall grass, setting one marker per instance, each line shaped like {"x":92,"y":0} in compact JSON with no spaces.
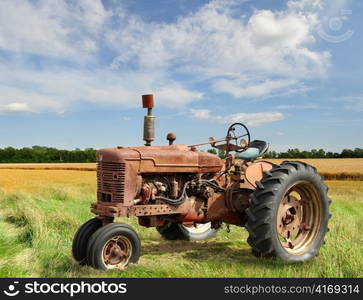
{"x":36,"y":231}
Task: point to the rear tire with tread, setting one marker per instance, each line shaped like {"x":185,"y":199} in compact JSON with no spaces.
{"x":263,"y":211}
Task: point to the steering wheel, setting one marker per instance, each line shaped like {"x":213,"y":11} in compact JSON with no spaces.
{"x":236,"y":132}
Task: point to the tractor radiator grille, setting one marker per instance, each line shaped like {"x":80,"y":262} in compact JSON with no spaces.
{"x":111,"y":181}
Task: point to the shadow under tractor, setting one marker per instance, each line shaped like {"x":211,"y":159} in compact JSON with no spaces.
{"x":187,"y":194}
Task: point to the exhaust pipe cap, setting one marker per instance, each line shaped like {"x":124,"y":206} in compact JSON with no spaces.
{"x":148,"y":101}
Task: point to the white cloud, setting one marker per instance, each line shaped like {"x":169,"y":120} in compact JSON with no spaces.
{"x":15,"y":107}
{"x":67,"y":29}
{"x":280,"y":30}
{"x":217,"y":44}
{"x":305,"y":4}
{"x":213,"y":42}
{"x":250,"y":119}
{"x":302,"y":106}
{"x":56,"y":91}
{"x":244,"y":89}
{"x":174,"y":95}
{"x":203,"y":114}
{"x":353,"y":103}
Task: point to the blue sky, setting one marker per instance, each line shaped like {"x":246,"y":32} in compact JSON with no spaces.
{"x":72,"y":72}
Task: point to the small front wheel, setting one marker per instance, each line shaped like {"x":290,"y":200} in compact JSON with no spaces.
{"x":80,"y":240}
{"x":113,"y":246}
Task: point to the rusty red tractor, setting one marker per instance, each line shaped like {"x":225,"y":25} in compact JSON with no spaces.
{"x":188,"y":194}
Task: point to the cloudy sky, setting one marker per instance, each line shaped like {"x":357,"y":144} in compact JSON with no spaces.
{"x":72,"y":72}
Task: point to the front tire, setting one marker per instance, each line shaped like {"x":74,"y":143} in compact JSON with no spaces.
{"x":80,"y":240}
{"x":289,"y":213}
{"x":177,"y":231}
{"x":113,"y":246}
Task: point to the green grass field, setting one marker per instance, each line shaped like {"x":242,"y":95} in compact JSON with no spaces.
{"x":37,"y":224}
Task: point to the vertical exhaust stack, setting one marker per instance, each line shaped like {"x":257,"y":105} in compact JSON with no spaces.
{"x":149,"y":119}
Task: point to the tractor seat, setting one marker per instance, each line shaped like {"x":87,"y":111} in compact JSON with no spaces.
{"x":256,"y":149}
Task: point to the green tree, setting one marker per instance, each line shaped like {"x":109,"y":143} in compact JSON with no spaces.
{"x":221,"y":153}
{"x":212,"y":151}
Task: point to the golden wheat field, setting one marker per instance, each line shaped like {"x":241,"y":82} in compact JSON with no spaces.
{"x":335,"y":169}
{"x":12,"y":180}
{"x":66,"y":166}
{"x":332,"y":165}
{"x":326,"y":165}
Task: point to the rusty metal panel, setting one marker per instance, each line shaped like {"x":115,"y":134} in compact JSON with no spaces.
{"x":109,"y":209}
{"x":218,"y":211}
{"x":209,"y":163}
{"x":254,"y":172}
{"x":118,"y":210}
{"x":118,"y":178}
{"x":164,"y":159}
{"x":167,"y":159}
{"x":159,"y":209}
{"x":176,"y":159}
{"x":111,"y":181}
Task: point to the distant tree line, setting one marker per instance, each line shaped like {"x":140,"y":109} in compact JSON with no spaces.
{"x":40,"y":154}
{"x":314,"y":153}
{"x":296,"y":153}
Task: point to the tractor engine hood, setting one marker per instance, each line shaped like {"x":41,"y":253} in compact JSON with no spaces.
{"x":162,"y":159}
